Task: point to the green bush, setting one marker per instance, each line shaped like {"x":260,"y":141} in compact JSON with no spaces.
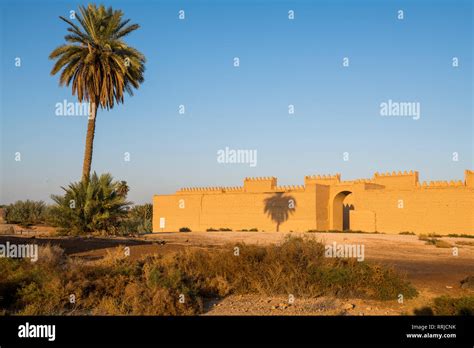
{"x":26,"y":213}
{"x":137,"y":221}
{"x":93,"y":206}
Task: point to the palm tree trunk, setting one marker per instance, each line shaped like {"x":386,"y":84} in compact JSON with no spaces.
{"x":86,"y":167}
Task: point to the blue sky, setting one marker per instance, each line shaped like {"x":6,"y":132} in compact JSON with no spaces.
{"x":282,"y":62}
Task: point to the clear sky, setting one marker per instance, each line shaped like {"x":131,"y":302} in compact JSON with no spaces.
{"x":282,"y":62}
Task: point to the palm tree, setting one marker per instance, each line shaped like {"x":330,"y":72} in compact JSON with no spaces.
{"x":98,"y":63}
{"x":122,"y":188}
{"x":97,"y":206}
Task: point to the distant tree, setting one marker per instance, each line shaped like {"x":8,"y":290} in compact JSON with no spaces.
{"x":25,"y":213}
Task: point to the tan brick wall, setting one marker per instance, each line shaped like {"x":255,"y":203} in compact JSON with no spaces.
{"x":391,"y":203}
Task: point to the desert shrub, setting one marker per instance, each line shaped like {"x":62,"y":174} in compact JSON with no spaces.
{"x":33,"y":288}
{"x":429,"y":239}
{"x":96,"y":205}
{"x":345,"y":231}
{"x":111,"y":286}
{"x":184,"y":229}
{"x":253,"y":230}
{"x":461,"y":235}
{"x":407,"y":233}
{"x":225,"y":229}
{"x":297,"y":266}
{"x":156,"y":285}
{"x":428,"y":236}
{"x":446,"y":305}
{"x":442,"y":244}
{"x":25,"y":213}
{"x":211,"y":229}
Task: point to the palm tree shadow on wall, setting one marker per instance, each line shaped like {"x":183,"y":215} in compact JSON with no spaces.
{"x":279,"y":208}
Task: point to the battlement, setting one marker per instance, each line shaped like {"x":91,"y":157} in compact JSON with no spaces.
{"x":260,"y":184}
{"x":359,"y":181}
{"x":322,"y":179}
{"x":190,"y":190}
{"x":438,"y":184}
{"x":399,"y":173}
{"x":287,"y":188}
{"x":234,"y":189}
{"x":400,"y":180}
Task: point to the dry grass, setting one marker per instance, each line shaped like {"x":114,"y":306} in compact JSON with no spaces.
{"x":178,"y":284}
{"x":446,"y":305}
{"x":430,"y":239}
{"x":297,"y":267}
{"x":463,"y":242}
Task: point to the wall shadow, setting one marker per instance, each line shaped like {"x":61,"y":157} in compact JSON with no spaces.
{"x":279,"y":207}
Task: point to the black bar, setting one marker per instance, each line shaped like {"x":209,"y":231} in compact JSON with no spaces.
{"x":291,"y":331}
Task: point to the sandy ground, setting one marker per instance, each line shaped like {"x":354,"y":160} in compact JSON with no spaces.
{"x":433,"y":271}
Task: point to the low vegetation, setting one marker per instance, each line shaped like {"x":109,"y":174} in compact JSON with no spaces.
{"x":461,"y":235}
{"x":26,"y":213}
{"x":98,"y":206}
{"x":345,"y":231}
{"x":179,"y":283}
{"x":430,"y":239}
{"x":446,"y":305}
{"x":137,"y":221}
